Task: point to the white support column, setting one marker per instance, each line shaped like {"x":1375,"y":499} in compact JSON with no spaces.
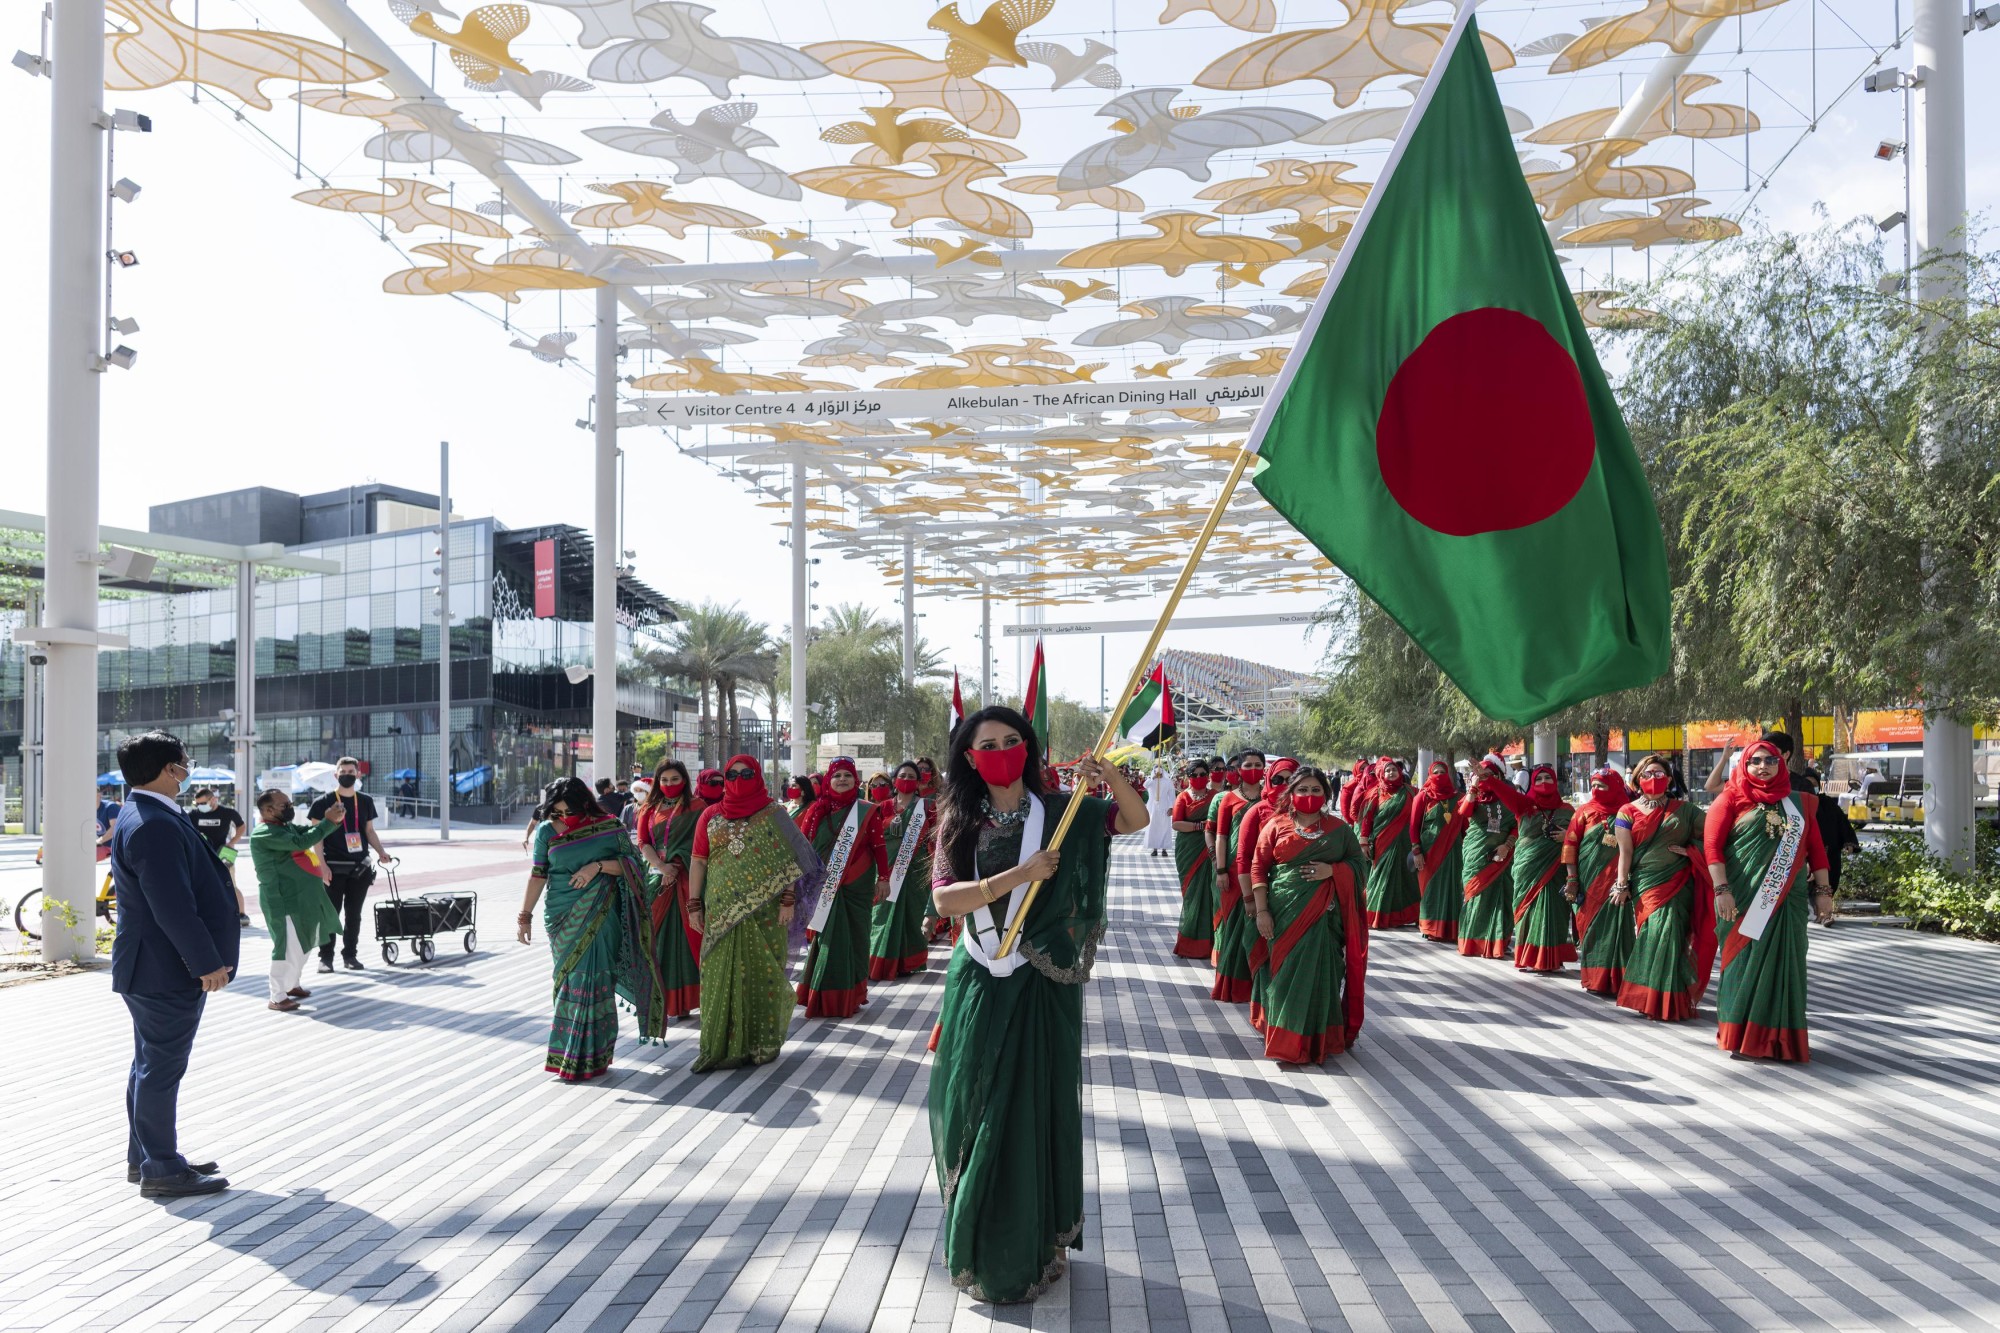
{"x":607,"y":541}
{"x":1424,"y":760}
{"x":909,"y":636}
{"x":444,"y":641}
{"x":76,"y":277}
{"x":246,"y":684}
{"x":31,"y":731}
{"x":1937,"y":50}
{"x":801,"y":624}
{"x":985,"y":648}
{"x":1545,"y":744}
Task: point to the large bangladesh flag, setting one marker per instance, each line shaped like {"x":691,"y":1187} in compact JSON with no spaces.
{"x":1444,"y":434}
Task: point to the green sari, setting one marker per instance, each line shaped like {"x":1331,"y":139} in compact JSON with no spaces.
{"x":1006,"y":1105}
{"x":746,"y":1001}
{"x":1673,"y":907}
{"x":676,"y":945}
{"x":1393,"y":896}
{"x":1197,"y":872}
{"x":834,"y":981}
{"x":1311,"y":974}
{"x":1440,"y":870}
{"x":1542,"y":939}
{"x":1233,"y":926}
{"x":1603,"y":928}
{"x":898,"y":945}
{"x":1486,"y":916}
{"x":601,"y":934}
{"x":1760,"y":1005}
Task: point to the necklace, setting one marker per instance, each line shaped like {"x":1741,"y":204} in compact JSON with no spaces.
{"x":733,"y":830}
{"x":1004,"y":819}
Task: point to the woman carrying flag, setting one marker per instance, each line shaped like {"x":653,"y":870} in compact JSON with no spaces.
{"x":1196,"y":865}
{"x":1006,"y":1112}
{"x":1590,"y":865}
{"x":750,"y":877}
{"x":1661,"y":877}
{"x":898,"y":945}
{"x":1393,"y":896}
{"x":1439,"y":828}
{"x":1762,"y":842}
{"x":1311,"y":952}
{"x":1486,"y":914}
{"x":1542,"y":918}
{"x":1232,"y":924}
{"x":666,"y":841}
{"x":848,"y":841}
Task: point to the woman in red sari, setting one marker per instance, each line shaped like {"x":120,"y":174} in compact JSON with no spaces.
{"x":1387,"y":834}
{"x":1437,"y":828}
{"x":1232,"y":923}
{"x":1661,"y":881}
{"x":1261,"y":812}
{"x":1311,"y":953}
{"x":1196,"y":865}
{"x":1486,"y":914}
{"x":1590,"y":864}
{"x":1542,"y":919}
{"x":847,"y":837}
{"x":1762,"y":842}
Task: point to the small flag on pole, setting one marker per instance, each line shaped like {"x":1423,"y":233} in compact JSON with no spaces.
{"x":957,"y":701}
{"x":1148,"y":720}
{"x":1035,"y":703}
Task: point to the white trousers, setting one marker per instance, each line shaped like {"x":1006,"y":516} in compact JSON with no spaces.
{"x":286,"y":971}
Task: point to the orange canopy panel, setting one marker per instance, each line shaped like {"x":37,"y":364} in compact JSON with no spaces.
{"x":1587,"y":744}
{"x":1721,"y":735}
{"x":1889,"y":726}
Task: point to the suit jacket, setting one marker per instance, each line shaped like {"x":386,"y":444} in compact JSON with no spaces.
{"x":176,"y":910}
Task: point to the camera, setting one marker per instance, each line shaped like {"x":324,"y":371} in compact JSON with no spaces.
{"x":38,"y":656}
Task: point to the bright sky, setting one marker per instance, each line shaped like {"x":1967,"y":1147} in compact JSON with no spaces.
{"x":270,"y":356}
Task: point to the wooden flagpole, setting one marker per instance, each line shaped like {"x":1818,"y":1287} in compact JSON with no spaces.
{"x":1119,"y":701}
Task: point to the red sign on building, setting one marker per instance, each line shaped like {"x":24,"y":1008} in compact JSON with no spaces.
{"x":545,"y":579}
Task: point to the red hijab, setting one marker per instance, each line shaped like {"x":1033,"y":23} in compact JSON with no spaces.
{"x":1545,"y":800}
{"x":831,"y":804}
{"x":1613,"y":795}
{"x":1760,"y":791}
{"x":742,"y":797}
{"x":1382,"y":767}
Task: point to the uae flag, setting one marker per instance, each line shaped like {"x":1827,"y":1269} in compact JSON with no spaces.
{"x":1443,"y":433}
{"x":1035,"y":703}
{"x":1148,"y":720}
{"x":957,"y":703}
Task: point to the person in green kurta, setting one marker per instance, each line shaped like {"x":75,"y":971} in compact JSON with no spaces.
{"x":1543,"y":941}
{"x":600,"y":931}
{"x":293,"y":900}
{"x":1006,"y":1111}
{"x":1486,"y":912}
{"x":1232,"y":921}
{"x":1661,"y":873}
{"x":1195,"y":864}
{"x":1590,"y":865}
{"x":1440,"y":834}
{"x":753,"y":880}
{"x":898,"y":944}
{"x":666,"y":842}
{"x":1310,"y":958}
{"x":1762,"y":843}
{"x":1392,"y":893}
{"x":847,"y":837}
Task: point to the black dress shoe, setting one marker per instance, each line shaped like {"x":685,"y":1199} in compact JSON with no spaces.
{"x":351,"y":963}
{"x":326,"y":965}
{"x":182,"y":1185}
{"x":199,"y":1168}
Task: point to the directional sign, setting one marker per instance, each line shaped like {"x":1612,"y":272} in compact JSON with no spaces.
{"x":1047,"y":400}
{"x":1180,"y":622}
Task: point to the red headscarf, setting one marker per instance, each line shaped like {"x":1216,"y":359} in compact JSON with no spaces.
{"x":830,"y":804}
{"x":1613,"y":795}
{"x":1382,"y":767}
{"x":1437,"y":790}
{"x":710,"y":778}
{"x":1760,"y":791}
{"x":1545,"y":800}
{"x":1494,"y":770}
{"x":740,"y":797}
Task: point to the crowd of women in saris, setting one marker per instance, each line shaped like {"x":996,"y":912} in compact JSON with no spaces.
{"x":1639,"y":888}
{"x":702,"y":905}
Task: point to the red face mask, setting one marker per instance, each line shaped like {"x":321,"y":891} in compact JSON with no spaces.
{"x":1545,"y":786}
{"x":791,"y":791}
{"x":1001,"y":768}
{"x":1309,"y":802}
{"x":1250,"y":775}
{"x":1230,"y":777}
{"x":908,"y":786}
{"x":671,"y":786}
{"x":711,"y":789}
{"x":1198,"y":782}
{"x":1655,"y":784}
{"x":878,"y":791}
{"x":742,"y":789}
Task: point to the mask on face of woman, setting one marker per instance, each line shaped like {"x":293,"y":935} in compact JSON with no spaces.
{"x":1655,"y":784}
{"x":1309,"y":802}
{"x":908,"y":786}
{"x":1000,"y":768}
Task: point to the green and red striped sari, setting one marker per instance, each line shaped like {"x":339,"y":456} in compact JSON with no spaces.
{"x":1312,"y":974}
{"x":1486,"y":913}
{"x":676,"y":944}
{"x":1440,"y":868}
{"x":1542,"y":939}
{"x":1603,"y":928}
{"x":1233,"y":927}
{"x":834,"y":980}
{"x":601,"y":935}
{"x":898,"y":945}
{"x":1393,"y":897}
{"x":1197,"y":870}
{"x":1673,"y":949}
{"x":1760,"y":1004}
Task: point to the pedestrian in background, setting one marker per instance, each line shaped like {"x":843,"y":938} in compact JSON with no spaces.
{"x":297,"y":908}
{"x":221,"y":825}
{"x":347,"y":858}
{"x":177,"y":943}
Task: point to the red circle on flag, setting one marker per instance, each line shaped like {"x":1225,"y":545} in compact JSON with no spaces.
{"x":1485,"y":426}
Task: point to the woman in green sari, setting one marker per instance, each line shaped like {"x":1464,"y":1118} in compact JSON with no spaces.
{"x":1542,"y":918}
{"x":1006,"y":1105}
{"x":1311,"y":954}
{"x":666,"y":841}
{"x":1440,"y":832}
{"x":1763,"y":840}
{"x":1392,"y":894}
{"x":600,"y":930}
{"x":1662,"y":879}
{"x":1232,"y":921}
{"x":847,"y":837}
{"x":1196,"y":866}
{"x":752,"y":883}
{"x":1486,"y":914}
{"x":1590,"y":865}
{"x":898,"y":944}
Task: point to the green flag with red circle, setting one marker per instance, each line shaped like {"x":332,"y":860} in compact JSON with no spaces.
{"x":1444,"y":434}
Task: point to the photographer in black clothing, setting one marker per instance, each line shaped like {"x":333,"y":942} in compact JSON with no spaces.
{"x":347,"y":858}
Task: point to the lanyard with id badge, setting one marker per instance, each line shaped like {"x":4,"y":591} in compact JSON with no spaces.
{"x":354,"y":843}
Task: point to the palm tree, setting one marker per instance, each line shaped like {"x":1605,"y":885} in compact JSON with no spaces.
{"x":712,"y":645}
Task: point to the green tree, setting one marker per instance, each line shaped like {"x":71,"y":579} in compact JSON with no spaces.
{"x":714,"y":647}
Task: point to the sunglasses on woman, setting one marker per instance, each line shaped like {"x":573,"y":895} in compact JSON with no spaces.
{"x":740,"y":773}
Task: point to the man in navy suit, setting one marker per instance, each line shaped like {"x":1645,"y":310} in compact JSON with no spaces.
{"x":177,"y":941}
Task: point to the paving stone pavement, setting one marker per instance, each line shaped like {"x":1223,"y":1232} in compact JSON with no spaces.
{"x":1500,"y":1152}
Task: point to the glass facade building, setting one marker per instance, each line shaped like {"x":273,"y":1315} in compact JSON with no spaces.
{"x":347,"y":664}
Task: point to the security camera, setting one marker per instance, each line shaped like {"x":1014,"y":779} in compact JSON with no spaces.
{"x":122,"y":562}
{"x":123,"y":357}
{"x":1979,"y":20}
{"x":122,"y":119}
{"x":38,"y":656}
{"x":1891,"y":222}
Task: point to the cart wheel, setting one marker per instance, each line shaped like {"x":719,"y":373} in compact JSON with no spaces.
{"x":389,"y":952}
{"x":471,"y":941}
{"x":426,"y":950}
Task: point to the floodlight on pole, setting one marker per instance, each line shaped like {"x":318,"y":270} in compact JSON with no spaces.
{"x":1893,"y":221}
{"x":32,"y":65}
{"x":123,"y":258}
{"x":126,"y":325}
{"x":126,"y":189}
{"x":122,"y":356}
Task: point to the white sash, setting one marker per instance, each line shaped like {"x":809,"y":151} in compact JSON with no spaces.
{"x":907,"y":852}
{"x":1777,"y":875}
{"x":982,"y":935}
{"x":836,"y":866}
